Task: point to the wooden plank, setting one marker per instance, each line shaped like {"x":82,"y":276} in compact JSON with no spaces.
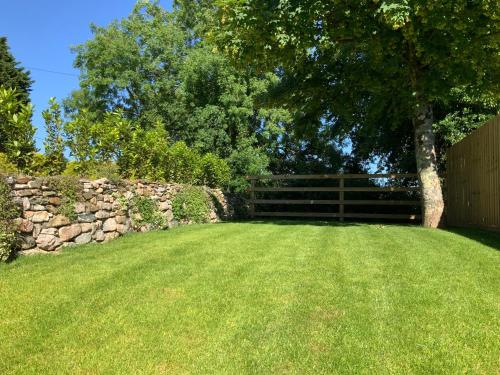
{"x":297,"y":214}
{"x":337,"y":215}
{"x":474,"y":178}
{"x":252,"y":199}
{"x":341,"y":198}
{"x":337,"y":201}
{"x":383,"y":216}
{"x":331,"y":176}
{"x":334,"y":189}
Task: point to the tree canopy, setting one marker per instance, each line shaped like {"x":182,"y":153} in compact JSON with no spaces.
{"x":16,"y":130}
{"x":279,"y":86}
{"x":12,"y":74}
{"x":373,"y":68}
{"x":155,"y":66}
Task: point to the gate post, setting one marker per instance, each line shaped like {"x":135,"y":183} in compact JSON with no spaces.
{"x":252,"y":198}
{"x":341,"y":199}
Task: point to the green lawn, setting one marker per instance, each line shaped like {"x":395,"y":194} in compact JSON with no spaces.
{"x":300,"y":298}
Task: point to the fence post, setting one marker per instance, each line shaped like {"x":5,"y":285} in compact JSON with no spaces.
{"x":341,"y":199}
{"x":252,"y":198}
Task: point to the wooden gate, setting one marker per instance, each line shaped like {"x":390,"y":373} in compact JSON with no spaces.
{"x":339,"y":190}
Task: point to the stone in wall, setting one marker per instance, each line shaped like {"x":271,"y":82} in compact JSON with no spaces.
{"x":71,"y":231}
{"x":99,"y":213}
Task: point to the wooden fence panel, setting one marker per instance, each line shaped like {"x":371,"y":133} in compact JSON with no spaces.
{"x":340,"y":203}
{"x":473,"y":179}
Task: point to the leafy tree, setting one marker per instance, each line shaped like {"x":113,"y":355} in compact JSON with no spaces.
{"x":131,"y":65}
{"x":220,"y":106}
{"x":54,"y":141}
{"x":153,"y":67}
{"x":12,"y":75}
{"x":16,"y":130}
{"x":92,"y":142}
{"x":78,"y":131}
{"x":397,"y":57}
{"x":213,"y":99}
{"x":392,"y":145}
{"x":460,"y":116}
{"x":245,"y":161}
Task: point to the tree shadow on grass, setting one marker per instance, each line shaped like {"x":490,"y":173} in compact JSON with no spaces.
{"x":321,"y":222}
{"x":483,"y":236}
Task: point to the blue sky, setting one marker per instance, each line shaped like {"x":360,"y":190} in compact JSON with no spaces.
{"x":40,"y":35}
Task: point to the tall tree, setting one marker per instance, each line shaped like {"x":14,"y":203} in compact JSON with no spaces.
{"x":12,"y":75}
{"x":152,"y":66}
{"x":396,"y":57}
{"x":16,"y":130}
{"x":131,"y":65}
{"x":54,"y":141}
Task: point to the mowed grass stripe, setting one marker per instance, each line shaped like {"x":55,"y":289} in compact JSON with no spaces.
{"x":83,"y":290}
{"x":284,"y":297}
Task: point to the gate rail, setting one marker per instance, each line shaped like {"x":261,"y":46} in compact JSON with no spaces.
{"x":340,"y":202}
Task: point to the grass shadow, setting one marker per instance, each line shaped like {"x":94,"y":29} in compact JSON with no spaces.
{"x":320,"y":222}
{"x":219,"y":209}
{"x":483,"y":236}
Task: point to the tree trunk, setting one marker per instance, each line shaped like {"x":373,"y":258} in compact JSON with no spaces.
{"x":425,"y":151}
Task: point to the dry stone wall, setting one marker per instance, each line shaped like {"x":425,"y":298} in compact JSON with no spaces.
{"x":100,"y":213}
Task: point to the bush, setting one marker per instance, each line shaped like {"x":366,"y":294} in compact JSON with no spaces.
{"x":107,"y":170}
{"x":185,"y":165}
{"x":191,"y":204}
{"x":8,"y":212}
{"x":146,"y":212}
{"x":72,"y":169}
{"x":243,"y":162}
{"x":144,"y":153}
{"x":8,"y":242}
{"x":40,"y":166}
{"x":6,"y":166}
{"x":16,"y":130}
{"x":213,"y":171}
{"x":70,"y":190}
{"x":92,"y":171}
{"x":137,"y":152}
{"x":182,"y":164}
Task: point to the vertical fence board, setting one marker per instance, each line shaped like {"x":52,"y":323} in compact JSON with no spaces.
{"x":341,"y":198}
{"x":252,"y":199}
{"x":474,"y":178}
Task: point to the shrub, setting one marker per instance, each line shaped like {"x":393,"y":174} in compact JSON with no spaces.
{"x":72,"y":169}
{"x":213,"y":171}
{"x":54,"y":141}
{"x":191,"y":204}
{"x":8,"y":212}
{"x":5,"y":165}
{"x":148,"y":212}
{"x":40,"y":165}
{"x":107,"y":170}
{"x":183,"y":164}
{"x":93,"y":171}
{"x":8,"y":242}
{"x":70,"y":190}
{"x":246,"y":161}
{"x":16,"y":130}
